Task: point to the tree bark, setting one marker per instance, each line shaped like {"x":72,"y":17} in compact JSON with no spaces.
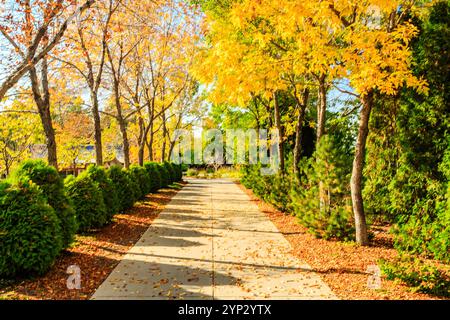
{"x":97,"y":129}
{"x":116,"y":77}
{"x":150,"y":143}
{"x":151,"y":116}
{"x":357,"y":173}
{"x":278,"y":125}
{"x":126,"y":144}
{"x":50,"y":136}
{"x":163,"y":149}
{"x":41,"y":95}
{"x":141,"y":155}
{"x":143,"y":134}
{"x":141,"y":141}
{"x":301,"y":105}
{"x":321,"y":118}
{"x":6,"y":158}
{"x":122,"y":125}
{"x":321,"y":108}
{"x":171,"y":146}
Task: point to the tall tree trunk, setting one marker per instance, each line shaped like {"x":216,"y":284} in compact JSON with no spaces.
{"x":163,"y":149}
{"x":7,"y":159}
{"x":357,"y":173}
{"x":278,"y":125}
{"x":151,"y":116}
{"x":49,"y":131}
{"x":122,"y":126}
{"x":321,"y":108}
{"x":116,"y":77}
{"x":301,"y":105}
{"x":41,"y":95}
{"x":94,"y":82}
{"x":141,"y":141}
{"x":321,"y":118}
{"x":143,"y":134}
{"x":171,"y":147}
{"x":126,"y":144}
{"x":97,"y":129}
{"x":150,"y":143}
{"x":141,"y":155}
{"x":150,"y":147}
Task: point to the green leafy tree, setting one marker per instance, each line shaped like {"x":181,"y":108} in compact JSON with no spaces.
{"x":331,"y":165}
{"x":406,"y":180}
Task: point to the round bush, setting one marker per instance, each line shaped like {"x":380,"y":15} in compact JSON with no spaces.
{"x":109,"y":193}
{"x":136,"y":191}
{"x":30,"y":232}
{"x":123,"y":186}
{"x":172,"y":172}
{"x":154,"y":175}
{"x":178,"y":172}
{"x":142,"y":178}
{"x":52,"y":186}
{"x":165,"y":175}
{"x":87,"y":200}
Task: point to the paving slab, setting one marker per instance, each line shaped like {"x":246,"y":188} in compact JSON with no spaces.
{"x":212,"y":242}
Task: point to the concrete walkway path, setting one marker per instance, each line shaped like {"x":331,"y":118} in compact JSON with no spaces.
{"x":212,"y":242}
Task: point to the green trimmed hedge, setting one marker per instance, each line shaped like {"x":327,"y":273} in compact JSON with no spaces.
{"x":136,"y":191}
{"x":165,"y":175}
{"x":141,"y":179}
{"x":107,"y":188}
{"x":123,"y":186}
{"x":52,"y":186}
{"x":87,"y":200}
{"x":177,"y":172}
{"x":171,"y":171}
{"x":154,"y":175}
{"x":40,"y":212}
{"x":30,"y":232}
